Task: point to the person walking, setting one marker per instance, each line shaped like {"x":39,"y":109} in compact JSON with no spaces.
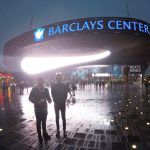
{"x":39,"y":96}
{"x":74,"y":88}
{"x":59,"y":92}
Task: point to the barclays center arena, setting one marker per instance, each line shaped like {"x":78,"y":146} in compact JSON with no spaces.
{"x":114,"y":42}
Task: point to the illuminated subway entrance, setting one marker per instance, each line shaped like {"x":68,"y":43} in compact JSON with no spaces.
{"x":127,"y":39}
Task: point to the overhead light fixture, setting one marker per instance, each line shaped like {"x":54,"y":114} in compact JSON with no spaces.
{"x":35,"y":65}
{"x":92,"y":66}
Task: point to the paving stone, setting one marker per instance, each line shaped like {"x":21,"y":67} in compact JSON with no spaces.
{"x":83,"y":148}
{"x":91,"y":144}
{"x":70,"y":141}
{"x":8,"y":141}
{"x":80,"y":135}
{"x":146,"y":132}
{"x":59,"y":147}
{"x":71,"y":148}
{"x":97,"y":146}
{"x":87,"y":130}
{"x":98,"y":131}
{"x":123,"y":138}
{"x":114,"y":138}
{"x":118,"y":146}
{"x":89,"y":136}
{"x":103,"y":145}
{"x":93,"y":149}
{"x":12,"y":143}
{"x":19,"y":136}
{"x":2,"y":147}
{"x":111,"y":132}
{"x":29,"y":140}
{"x":102,"y":138}
{"x":86,"y":144}
{"x":80,"y":143}
{"x":95,"y":137}
{"x":133,"y":139}
{"x":51,"y":145}
{"x":20,"y":146}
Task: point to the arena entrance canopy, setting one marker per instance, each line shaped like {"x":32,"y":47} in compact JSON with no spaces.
{"x":127,"y":39}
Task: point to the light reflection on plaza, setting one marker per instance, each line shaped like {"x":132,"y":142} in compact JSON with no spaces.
{"x":92,"y":106}
{"x":89,"y":107}
{"x":103,"y":108}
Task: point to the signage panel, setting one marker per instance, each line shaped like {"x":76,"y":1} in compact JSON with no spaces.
{"x":92,"y":24}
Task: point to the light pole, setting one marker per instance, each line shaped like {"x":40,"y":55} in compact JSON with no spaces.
{"x":127,"y":8}
{"x":31,"y":23}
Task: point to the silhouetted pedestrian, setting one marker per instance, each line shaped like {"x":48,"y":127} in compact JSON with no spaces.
{"x":39,"y":96}
{"x":74,"y":88}
{"x":21,"y":87}
{"x":59,"y":93}
{"x":13,"y":89}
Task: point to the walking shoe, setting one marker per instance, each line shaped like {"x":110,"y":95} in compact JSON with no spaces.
{"x":47,"y":137}
{"x":65,"y":134}
{"x":41,"y":141}
{"x":57,"y":134}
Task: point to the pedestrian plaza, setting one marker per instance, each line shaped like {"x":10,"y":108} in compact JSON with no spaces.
{"x":103,"y":118}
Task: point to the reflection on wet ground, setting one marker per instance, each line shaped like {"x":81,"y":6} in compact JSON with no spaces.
{"x":114,"y":118}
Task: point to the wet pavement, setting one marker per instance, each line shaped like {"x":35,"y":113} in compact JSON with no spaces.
{"x":116,"y":118}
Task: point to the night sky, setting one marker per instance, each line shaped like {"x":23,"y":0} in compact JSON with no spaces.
{"x":15,"y":15}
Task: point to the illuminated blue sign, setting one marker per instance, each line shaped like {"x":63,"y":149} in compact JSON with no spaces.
{"x":97,"y":24}
{"x":76,"y":26}
{"x":39,"y":34}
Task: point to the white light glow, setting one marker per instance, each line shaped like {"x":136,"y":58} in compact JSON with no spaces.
{"x":34,"y":65}
{"x":107,"y":123}
{"x":102,"y":75}
{"x":134,"y":146}
{"x":38,"y":35}
{"x":148,"y":123}
{"x":92,"y":66}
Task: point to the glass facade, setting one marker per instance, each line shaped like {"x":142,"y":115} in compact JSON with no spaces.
{"x":115,"y":70}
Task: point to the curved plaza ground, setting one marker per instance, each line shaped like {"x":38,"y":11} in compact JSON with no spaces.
{"x":113,"y":118}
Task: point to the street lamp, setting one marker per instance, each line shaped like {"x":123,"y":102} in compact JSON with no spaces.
{"x":127,"y":8}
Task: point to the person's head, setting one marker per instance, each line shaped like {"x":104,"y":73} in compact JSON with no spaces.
{"x":58,"y":77}
{"x":40,"y":82}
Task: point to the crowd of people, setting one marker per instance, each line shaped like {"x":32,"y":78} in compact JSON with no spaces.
{"x":8,"y":89}
{"x":99,"y":82}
